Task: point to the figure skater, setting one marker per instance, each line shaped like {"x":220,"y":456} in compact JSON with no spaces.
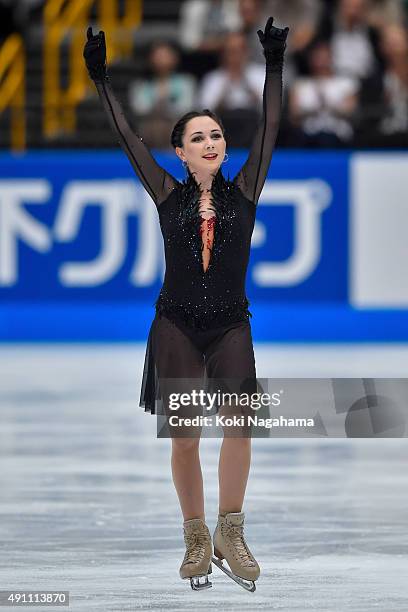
{"x":201,"y":325}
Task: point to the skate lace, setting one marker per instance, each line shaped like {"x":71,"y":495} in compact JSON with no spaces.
{"x":237,"y":538}
{"x":195,"y":547}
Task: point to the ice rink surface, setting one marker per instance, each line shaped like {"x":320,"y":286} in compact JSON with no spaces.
{"x":88,"y":505}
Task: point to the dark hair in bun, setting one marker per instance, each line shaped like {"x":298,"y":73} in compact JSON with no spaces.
{"x":179,"y":129}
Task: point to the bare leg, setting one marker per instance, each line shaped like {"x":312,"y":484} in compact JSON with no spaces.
{"x":180,"y":364}
{"x":187,"y":476}
{"x":232,"y":360}
{"x":233,"y":471}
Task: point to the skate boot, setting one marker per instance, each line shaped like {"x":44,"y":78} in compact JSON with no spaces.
{"x":229,"y":544}
{"x":197,"y":559}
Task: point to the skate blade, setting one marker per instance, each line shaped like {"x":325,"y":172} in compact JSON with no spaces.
{"x":196,"y":585}
{"x":248,"y":585}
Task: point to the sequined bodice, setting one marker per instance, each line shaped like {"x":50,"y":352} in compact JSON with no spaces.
{"x":213,"y":295}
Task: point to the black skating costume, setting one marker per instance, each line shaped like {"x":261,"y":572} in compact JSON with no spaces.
{"x":202,"y":317}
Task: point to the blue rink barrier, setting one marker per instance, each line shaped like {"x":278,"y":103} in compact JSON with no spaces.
{"x":81,"y":254}
{"x":130,"y":323}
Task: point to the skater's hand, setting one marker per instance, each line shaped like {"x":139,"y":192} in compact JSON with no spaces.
{"x":273,"y":41}
{"x":95,"y":55}
{"x":273,"y":38}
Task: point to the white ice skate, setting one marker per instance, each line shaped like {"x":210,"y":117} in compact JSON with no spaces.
{"x":229,"y":544}
{"x":197,"y":559}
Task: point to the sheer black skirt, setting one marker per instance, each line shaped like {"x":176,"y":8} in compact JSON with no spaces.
{"x":179,"y":357}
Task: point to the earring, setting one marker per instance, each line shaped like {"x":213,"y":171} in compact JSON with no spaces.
{"x":184,"y":163}
{"x":225,"y":158}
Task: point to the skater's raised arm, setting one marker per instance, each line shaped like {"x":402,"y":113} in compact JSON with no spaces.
{"x":251,"y":177}
{"x":157,"y":182}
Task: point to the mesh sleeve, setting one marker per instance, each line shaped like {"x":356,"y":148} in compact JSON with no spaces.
{"x":157,"y":182}
{"x":251,"y":178}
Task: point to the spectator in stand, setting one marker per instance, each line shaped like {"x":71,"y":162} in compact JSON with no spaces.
{"x":321,"y":105}
{"x":252,"y":14}
{"x":383,"y":100}
{"x":204,"y":22}
{"x":302,"y":16}
{"x":388,"y":11}
{"x":234,"y":91}
{"x":354,"y":42}
{"x":395,"y":85}
{"x":203,"y":25}
{"x":158,"y":101}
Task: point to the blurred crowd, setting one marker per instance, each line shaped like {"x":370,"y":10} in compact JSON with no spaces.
{"x":345,"y":76}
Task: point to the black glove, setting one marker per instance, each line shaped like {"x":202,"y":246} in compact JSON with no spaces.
{"x":95,"y":55}
{"x":273,"y":41}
